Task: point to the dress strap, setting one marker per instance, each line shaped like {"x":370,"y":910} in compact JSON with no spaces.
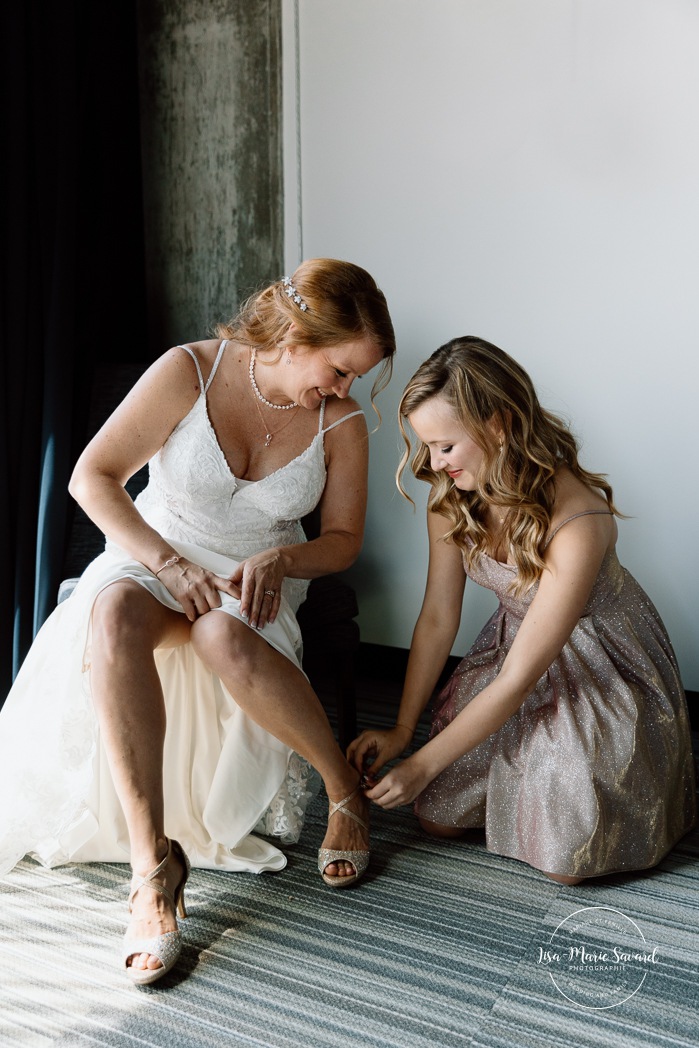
{"x":205,"y":388}
{"x":224,"y":343}
{"x":192,"y":354}
{"x":339,"y":421}
{"x":583,"y":513}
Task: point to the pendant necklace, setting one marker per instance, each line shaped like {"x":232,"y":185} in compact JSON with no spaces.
{"x":257,"y":395}
{"x":268,"y":435}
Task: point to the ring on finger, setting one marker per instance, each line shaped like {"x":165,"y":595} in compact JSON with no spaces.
{"x":269,"y":593}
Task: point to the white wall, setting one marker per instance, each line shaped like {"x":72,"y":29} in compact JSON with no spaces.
{"x":529,"y":173}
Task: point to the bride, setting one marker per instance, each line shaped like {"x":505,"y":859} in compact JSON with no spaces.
{"x":162,"y":714}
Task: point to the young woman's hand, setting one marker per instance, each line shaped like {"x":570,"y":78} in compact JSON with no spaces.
{"x":372,"y":749}
{"x":400,"y":785}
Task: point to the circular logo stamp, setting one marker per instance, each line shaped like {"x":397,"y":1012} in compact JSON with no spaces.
{"x":597,"y":958}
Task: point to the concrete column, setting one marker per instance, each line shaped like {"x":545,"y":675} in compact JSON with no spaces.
{"x":211,"y":138}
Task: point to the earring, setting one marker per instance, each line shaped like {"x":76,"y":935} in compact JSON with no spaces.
{"x":288,"y":357}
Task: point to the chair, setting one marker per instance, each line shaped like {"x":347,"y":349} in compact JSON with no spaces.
{"x":330,"y":645}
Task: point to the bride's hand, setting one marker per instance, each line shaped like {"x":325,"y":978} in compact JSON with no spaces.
{"x":259,"y":579}
{"x":195,"y":588}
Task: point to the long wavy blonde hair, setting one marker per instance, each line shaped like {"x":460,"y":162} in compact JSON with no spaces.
{"x":482,"y":385}
{"x":343,"y":302}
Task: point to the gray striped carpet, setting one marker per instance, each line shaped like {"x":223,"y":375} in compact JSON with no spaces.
{"x":438,"y":946}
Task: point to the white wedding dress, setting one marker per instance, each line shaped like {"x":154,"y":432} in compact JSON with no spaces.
{"x":224,"y":776}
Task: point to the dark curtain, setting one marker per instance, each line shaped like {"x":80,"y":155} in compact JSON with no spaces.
{"x":72,"y":292}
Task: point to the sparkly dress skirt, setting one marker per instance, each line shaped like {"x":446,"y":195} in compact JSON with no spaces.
{"x":594,"y":773}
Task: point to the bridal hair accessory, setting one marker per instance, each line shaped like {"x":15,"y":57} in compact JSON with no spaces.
{"x":293,"y":294}
{"x":256,"y":388}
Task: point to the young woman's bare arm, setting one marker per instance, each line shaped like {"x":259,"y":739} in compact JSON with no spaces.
{"x":573,"y":560}
{"x":433,"y":637}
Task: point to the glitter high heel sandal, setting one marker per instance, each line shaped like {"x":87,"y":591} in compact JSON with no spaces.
{"x":358,"y":859}
{"x":168,"y":946}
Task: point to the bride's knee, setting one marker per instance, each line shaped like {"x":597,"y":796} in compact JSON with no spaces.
{"x":221,"y":640}
{"x":435,"y":829}
{"x":118,"y":616}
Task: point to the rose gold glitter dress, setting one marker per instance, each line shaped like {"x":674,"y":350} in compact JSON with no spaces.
{"x":594,"y":773}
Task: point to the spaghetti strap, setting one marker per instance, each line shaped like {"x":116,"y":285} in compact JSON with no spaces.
{"x":583,"y":513}
{"x":339,"y":421}
{"x":224,"y":343}
{"x":205,"y":387}
{"x":193,"y":355}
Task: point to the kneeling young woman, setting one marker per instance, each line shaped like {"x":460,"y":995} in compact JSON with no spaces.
{"x":564,"y":731}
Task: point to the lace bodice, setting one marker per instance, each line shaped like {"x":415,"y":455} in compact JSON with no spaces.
{"x":192,"y":495}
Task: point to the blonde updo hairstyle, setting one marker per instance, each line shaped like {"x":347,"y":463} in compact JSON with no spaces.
{"x":482,"y":385}
{"x":343,"y":304}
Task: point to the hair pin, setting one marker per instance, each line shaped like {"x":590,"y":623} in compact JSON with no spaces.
{"x":293,"y":294}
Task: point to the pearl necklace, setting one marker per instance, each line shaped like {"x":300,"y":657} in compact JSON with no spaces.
{"x":256,"y":388}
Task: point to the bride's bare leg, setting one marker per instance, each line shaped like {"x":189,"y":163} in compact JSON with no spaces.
{"x":127,"y":625}
{"x":277,"y":696}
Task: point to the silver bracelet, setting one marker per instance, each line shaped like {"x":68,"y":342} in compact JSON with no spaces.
{"x":168,"y":564}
